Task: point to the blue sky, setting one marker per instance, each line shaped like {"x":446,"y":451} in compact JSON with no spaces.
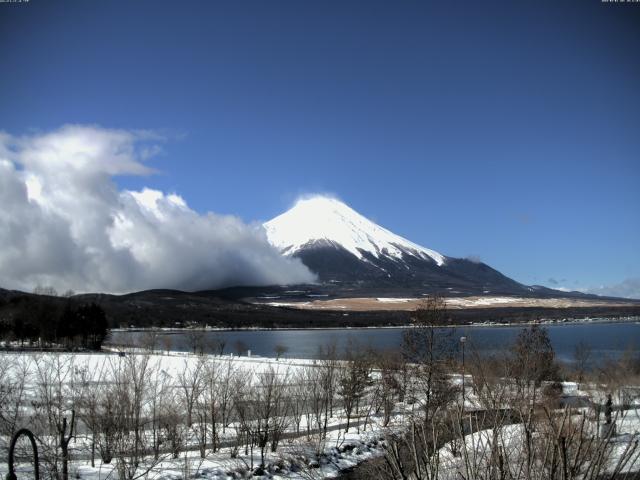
{"x":504,"y":130}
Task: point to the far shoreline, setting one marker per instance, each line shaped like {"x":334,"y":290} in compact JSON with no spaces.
{"x":550,"y":322}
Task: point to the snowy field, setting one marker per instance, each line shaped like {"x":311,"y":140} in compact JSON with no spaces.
{"x":282,"y":396}
{"x":303,"y":451}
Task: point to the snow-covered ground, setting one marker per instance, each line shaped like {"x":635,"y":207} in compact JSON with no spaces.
{"x":303,"y":455}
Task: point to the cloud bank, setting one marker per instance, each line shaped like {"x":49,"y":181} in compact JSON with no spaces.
{"x":64,"y":223}
{"x":628,"y":288}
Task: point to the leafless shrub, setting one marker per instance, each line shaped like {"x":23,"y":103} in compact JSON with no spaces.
{"x":392,"y":370}
{"x":280,"y":350}
{"x":582,"y":357}
{"x":354,"y":377}
{"x":14,"y":375}
{"x":128,"y":398}
{"x":55,"y":411}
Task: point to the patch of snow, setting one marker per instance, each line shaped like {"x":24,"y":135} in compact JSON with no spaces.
{"x":286,"y":304}
{"x":472,"y":301}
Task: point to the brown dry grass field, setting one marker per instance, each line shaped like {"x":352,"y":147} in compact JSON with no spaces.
{"x":455,"y":303}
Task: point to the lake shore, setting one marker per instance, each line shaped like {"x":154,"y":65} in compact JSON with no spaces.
{"x":607,"y":339}
{"x":587,"y":320}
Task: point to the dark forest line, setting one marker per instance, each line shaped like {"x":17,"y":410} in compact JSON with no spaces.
{"x":80,"y":320}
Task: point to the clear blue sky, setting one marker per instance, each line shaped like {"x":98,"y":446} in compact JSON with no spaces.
{"x":507,"y":130}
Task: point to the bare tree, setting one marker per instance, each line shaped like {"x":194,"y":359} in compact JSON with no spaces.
{"x":107,"y":424}
{"x":316,"y":411}
{"x":533,"y":358}
{"x":246,"y":416}
{"x":280,"y":350}
{"x":391,"y":369}
{"x":161,"y":396}
{"x":215,"y":401}
{"x":89,"y":397}
{"x":129,"y":397}
{"x":229,"y":378}
{"x":195,"y":337}
{"x":211,"y":401}
{"x":190,"y":383}
{"x":271,"y":408}
{"x":166,"y":343}
{"x":428,"y":350}
{"x":203,"y":397}
{"x":174,"y":430}
{"x":329,"y":365}
{"x":150,"y":340}
{"x":218,"y":344}
{"x":240,"y":347}
{"x":353,"y":380}
{"x":582,"y":357}
{"x":54,"y":406}
{"x":45,"y":290}
{"x":14,"y":375}
{"x":533,"y":361}
{"x":299,"y":397}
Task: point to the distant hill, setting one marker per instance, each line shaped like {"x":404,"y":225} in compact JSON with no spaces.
{"x":234,"y":308}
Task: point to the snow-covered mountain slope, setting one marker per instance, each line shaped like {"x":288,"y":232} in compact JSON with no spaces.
{"x":351,"y":253}
{"x":329,"y":220}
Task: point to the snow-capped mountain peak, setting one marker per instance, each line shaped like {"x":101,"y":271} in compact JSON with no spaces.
{"x":325,"y":219}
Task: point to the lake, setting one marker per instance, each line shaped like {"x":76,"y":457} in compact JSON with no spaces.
{"x":606,"y":340}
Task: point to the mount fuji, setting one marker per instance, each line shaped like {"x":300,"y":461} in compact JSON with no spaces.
{"x":346,"y":250}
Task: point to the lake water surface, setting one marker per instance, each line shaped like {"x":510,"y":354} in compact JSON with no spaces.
{"x":606,"y":340}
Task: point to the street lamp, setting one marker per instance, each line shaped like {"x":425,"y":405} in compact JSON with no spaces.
{"x":463,"y":340}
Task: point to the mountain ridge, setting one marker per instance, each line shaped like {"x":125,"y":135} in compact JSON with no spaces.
{"x":344,"y":248}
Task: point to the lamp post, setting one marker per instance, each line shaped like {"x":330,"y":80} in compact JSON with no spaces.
{"x":463,"y":340}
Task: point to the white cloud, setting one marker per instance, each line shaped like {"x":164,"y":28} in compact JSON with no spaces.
{"x":474,"y":258}
{"x":628,"y":288}
{"x":63,"y":222}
